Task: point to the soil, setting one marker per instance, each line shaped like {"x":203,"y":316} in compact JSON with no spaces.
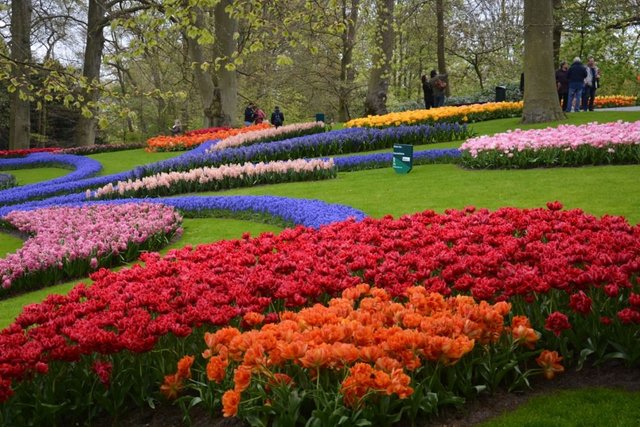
{"x":472,"y":413}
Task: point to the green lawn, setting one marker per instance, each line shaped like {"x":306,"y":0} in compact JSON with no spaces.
{"x":120,"y":161}
{"x":32,"y":176}
{"x":589,"y":407}
{"x":597,"y":190}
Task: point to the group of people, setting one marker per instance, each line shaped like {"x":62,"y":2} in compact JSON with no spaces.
{"x":434,"y":88}
{"x":577,"y":85}
{"x":255,"y":115}
{"x":252,"y":115}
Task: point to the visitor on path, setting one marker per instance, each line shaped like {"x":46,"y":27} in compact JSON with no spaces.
{"x":259,"y":115}
{"x":176,"y":129}
{"x":591,"y":83}
{"x":576,"y":75}
{"x":249,"y":114}
{"x":439,"y":85}
{"x":277,"y":118}
{"x":427,"y":89}
{"x":562,"y":84}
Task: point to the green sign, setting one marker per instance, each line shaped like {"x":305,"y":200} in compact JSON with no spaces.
{"x":402,"y":158}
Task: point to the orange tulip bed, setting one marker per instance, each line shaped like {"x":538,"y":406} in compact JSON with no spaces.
{"x":185,"y":142}
{"x":363,"y":348}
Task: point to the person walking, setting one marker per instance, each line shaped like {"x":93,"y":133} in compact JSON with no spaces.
{"x":591,"y":84}
{"x":427,"y":89}
{"x":576,"y":75}
{"x":277,"y":118}
{"x":562,"y":84}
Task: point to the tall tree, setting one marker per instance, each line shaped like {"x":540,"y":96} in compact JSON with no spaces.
{"x":85,"y":133}
{"x":218,"y":85}
{"x":101,"y":13}
{"x":225,"y":50}
{"x":540,"y":94}
{"x":482,"y":32}
{"x":347,"y":71}
{"x":442,"y":65}
{"x":20,"y":116}
{"x":378,"y":86}
{"x":557,"y":31}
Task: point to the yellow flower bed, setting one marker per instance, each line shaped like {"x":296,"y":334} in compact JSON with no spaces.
{"x":615,"y":101}
{"x":463,"y":114}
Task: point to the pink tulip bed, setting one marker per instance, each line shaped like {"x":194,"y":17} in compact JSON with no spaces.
{"x":68,"y":242}
{"x":566,"y":145}
{"x":572,"y":277}
{"x":270,"y":134}
{"x":219,"y":178}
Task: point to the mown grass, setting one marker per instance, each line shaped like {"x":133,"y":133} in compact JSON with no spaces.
{"x":8,"y":243}
{"x":598,"y":190}
{"x":35,"y":175}
{"x":120,"y":161}
{"x":589,"y":407}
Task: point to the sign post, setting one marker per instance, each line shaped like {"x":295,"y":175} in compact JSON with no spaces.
{"x":402,"y":158}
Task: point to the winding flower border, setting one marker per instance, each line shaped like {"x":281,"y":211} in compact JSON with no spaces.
{"x":307,"y":212}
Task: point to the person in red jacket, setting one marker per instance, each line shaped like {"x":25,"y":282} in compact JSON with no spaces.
{"x":258,"y":115}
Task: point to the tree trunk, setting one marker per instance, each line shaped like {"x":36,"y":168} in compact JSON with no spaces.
{"x":203,"y":80}
{"x":557,"y":31}
{"x":162,"y":122}
{"x":440,"y":35}
{"x":347,"y":72}
{"x":20,"y":114}
{"x":225,"y":47}
{"x":85,"y":132}
{"x":540,"y":94}
{"x":219,"y":91}
{"x":378,"y":87}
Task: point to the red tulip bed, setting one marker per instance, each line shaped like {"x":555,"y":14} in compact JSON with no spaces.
{"x":572,"y":275}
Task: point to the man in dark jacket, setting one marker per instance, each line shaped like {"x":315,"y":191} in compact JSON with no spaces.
{"x":427,"y":89}
{"x":576,"y":75}
{"x":277,"y":118}
{"x":562,"y":84}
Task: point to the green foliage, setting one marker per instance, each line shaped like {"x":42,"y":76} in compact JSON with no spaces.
{"x":487,"y":95}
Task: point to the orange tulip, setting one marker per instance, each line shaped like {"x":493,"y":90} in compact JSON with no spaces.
{"x":184,"y":367}
{"x":252,"y":318}
{"x":549,"y":361}
{"x":216,"y":369}
{"x":230,"y":403}
{"x":315,"y":357}
{"x":172,"y":386}
{"x":242,"y":378}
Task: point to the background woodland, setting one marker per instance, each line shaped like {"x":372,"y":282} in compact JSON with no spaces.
{"x":102,"y":71}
